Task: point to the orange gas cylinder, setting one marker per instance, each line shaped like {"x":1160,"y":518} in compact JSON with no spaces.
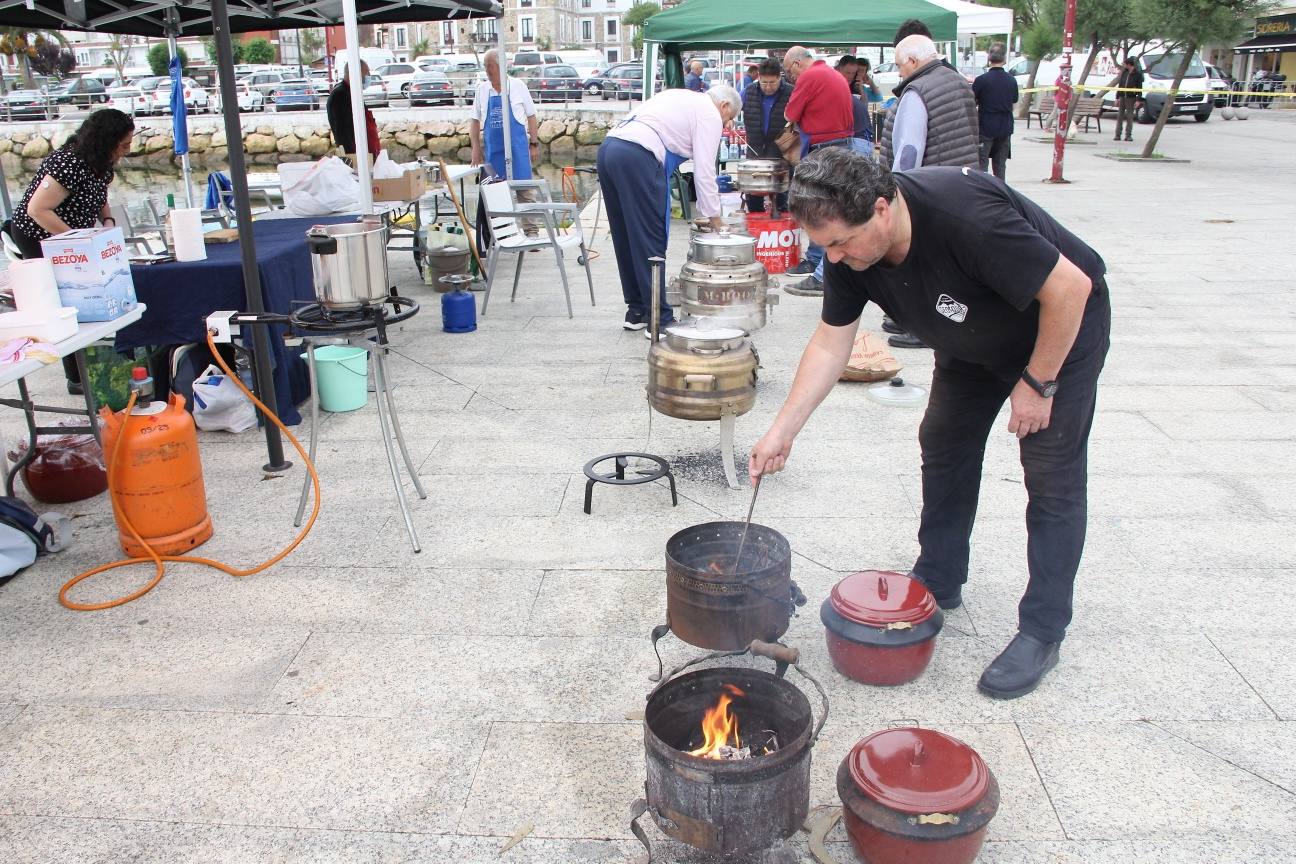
{"x":156,"y":480}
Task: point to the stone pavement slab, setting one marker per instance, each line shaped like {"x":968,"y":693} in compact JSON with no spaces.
{"x":360,"y":702}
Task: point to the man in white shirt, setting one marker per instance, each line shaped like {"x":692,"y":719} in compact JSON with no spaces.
{"x":635,"y":163}
{"x":487,"y":115}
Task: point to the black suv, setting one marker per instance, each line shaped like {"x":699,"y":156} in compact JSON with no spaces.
{"x":79,"y":92}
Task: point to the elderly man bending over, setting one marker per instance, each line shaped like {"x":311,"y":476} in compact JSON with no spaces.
{"x":635,"y":163}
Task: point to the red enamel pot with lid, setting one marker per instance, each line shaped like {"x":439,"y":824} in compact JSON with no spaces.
{"x":881,"y":627}
{"x":916,"y":796}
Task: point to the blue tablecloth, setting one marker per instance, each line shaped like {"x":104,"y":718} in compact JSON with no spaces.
{"x":181,"y":294}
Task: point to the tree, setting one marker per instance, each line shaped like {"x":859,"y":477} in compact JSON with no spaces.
{"x":636,"y":16}
{"x":1188,"y":24}
{"x":258,"y":51}
{"x":159,"y":56}
{"x":119,"y":50}
{"x":49,"y":58}
{"x":1039,"y":41}
{"x":20,"y":44}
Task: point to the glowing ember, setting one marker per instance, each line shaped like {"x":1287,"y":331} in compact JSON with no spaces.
{"x":720,"y":739}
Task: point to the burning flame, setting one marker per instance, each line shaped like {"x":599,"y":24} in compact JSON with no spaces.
{"x":719,"y":726}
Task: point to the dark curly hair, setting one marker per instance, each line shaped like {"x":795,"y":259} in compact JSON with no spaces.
{"x":99,"y":136}
{"x":834,"y":183}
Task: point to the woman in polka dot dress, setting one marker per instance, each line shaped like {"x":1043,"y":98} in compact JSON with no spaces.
{"x":71,"y":190}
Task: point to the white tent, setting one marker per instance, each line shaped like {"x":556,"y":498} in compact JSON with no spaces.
{"x":975,"y":19}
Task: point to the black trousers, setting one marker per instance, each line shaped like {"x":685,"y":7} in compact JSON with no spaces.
{"x":963,"y":407}
{"x":758,"y":203}
{"x":633,"y":183}
{"x":995,"y":153}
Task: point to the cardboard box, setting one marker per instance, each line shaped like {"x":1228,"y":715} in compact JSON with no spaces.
{"x":92,"y":270}
{"x":408,"y":187}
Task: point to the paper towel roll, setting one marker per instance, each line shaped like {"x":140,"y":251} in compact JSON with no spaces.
{"x":186,"y":232}
{"x":34,"y":288}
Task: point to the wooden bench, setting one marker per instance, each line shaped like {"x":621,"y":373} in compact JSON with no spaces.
{"x":1043,"y":107}
{"x":1083,"y":109}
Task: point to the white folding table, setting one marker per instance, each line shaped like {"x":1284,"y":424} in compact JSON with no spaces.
{"x":75,"y":345}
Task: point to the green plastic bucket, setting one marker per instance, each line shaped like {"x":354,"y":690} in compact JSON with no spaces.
{"x":342,"y":376}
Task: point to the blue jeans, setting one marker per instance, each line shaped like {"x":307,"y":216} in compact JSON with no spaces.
{"x":815,"y":253}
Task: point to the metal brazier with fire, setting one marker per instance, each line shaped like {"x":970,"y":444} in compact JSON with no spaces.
{"x":727,"y":751}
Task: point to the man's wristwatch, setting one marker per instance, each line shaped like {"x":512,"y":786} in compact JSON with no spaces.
{"x":1043,"y":388}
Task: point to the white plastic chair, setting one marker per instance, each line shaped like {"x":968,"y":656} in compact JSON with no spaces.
{"x":504,"y":209}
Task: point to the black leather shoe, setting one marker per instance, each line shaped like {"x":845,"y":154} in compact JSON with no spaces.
{"x":74,"y":388}
{"x":889,"y":326}
{"x":1019,"y":668}
{"x":803,"y":268}
{"x":906,"y":340}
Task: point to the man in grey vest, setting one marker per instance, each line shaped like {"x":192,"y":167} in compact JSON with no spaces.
{"x":934,"y":123}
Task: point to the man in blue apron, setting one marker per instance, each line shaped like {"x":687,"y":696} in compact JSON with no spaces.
{"x":635,"y":164}
{"x":488,"y":114}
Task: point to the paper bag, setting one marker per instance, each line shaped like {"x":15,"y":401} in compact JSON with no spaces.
{"x":789,"y":144}
{"x":870,"y":360}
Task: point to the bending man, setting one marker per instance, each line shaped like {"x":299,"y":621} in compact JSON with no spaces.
{"x":1016,"y":309}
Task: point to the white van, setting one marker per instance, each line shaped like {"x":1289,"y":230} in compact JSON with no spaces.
{"x":1159,"y":69}
{"x":375,"y":57}
{"x":586,"y":63}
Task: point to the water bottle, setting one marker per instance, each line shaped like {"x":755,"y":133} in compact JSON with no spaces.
{"x":142,"y":386}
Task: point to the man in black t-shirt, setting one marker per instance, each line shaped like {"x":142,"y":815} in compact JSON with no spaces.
{"x":1016,"y":309}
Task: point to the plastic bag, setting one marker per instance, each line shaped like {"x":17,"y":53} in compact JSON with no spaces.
{"x":66,"y":467}
{"x":385,"y":169}
{"x":328,"y":187}
{"x":218,"y":404}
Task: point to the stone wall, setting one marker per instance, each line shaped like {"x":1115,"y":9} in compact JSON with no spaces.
{"x":566,"y":137}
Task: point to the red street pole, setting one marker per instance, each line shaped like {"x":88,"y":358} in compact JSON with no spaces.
{"x":1063,"y":98}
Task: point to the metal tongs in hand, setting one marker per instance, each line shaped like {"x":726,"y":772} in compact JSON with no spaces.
{"x":747,"y":525}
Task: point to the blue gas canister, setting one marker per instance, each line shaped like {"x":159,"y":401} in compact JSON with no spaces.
{"x":458,"y":306}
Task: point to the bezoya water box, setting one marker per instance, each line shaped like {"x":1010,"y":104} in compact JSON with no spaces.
{"x":92,"y":270}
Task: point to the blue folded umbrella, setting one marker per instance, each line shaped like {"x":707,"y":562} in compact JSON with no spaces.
{"x":179,"y":120}
{"x":219,"y":189}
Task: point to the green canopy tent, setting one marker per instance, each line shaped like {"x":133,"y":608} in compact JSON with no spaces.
{"x":725,"y":25}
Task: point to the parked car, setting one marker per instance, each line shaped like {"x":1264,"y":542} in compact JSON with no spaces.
{"x":628,"y":83}
{"x":297,"y":94}
{"x":375,"y":92}
{"x":523,"y":61}
{"x":196,"y":99}
{"x":1219,"y":80}
{"x":130,"y":99}
{"x":464,"y":75}
{"x":79,"y":93}
{"x":148,"y":88}
{"x":30,"y":103}
{"x":594,"y":83}
{"x":431,"y":88}
{"x":398,"y":77}
{"x":266,"y":82}
{"x":554,"y":84}
{"x":248,"y":99}
{"x":887,"y":77}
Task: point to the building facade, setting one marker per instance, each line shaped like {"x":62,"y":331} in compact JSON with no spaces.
{"x":529,"y":25}
{"x":1271,"y":48}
